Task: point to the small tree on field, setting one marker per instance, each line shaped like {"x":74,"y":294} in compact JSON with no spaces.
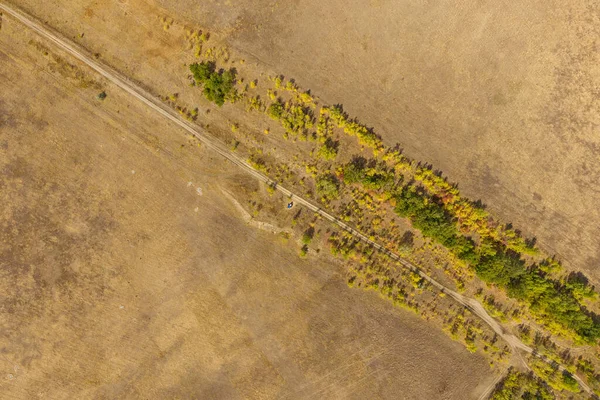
{"x":218,"y":86}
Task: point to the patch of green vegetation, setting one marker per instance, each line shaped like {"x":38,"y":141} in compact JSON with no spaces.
{"x":329,"y":150}
{"x":551,"y":374}
{"x":218,"y":86}
{"x":258,"y":163}
{"x":303,"y":251}
{"x":374,"y":177}
{"x":519,"y":385}
{"x":585,"y":367}
{"x":308,"y":235}
{"x":579,"y":285}
{"x":552,"y":303}
{"x":433,"y":205}
{"x":352,"y":127}
{"x":328,"y":186}
{"x":293,"y":117}
{"x":433,"y":221}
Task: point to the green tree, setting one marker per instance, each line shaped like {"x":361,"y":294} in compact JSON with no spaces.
{"x":308,"y":235}
{"x":328,"y":150}
{"x":328,"y":186}
{"x":218,"y":86}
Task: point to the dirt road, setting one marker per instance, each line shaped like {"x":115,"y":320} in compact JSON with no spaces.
{"x":145,"y":97}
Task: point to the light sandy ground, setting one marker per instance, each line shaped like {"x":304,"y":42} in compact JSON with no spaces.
{"x":121,"y":281}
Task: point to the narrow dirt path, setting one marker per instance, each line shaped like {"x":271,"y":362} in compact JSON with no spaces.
{"x":135,"y":90}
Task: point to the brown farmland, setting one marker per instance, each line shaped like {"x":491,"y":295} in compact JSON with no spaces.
{"x":502,"y":96}
{"x":127,"y":274}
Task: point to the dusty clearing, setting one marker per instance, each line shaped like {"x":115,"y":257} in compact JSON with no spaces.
{"x":122,"y":280}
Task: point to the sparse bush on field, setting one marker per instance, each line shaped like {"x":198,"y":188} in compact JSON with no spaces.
{"x":493,"y":308}
{"x":218,"y":86}
{"x":166,"y":22}
{"x":306,"y":98}
{"x":312,"y":170}
{"x":275,"y":110}
{"x":585,"y":367}
{"x":278,"y":80}
{"x":303,"y":251}
{"x":258,"y":163}
{"x":406,"y":243}
{"x":308,"y":235}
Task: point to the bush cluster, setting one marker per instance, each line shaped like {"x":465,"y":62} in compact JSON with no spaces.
{"x":352,"y":127}
{"x":293,"y":117}
{"x":551,"y":374}
{"x":328,"y":150}
{"x":518,"y":385}
{"x":218,"y":86}
{"x":554,"y":303}
{"x":433,"y":222}
{"x":374,"y":177}
{"x":328,"y":186}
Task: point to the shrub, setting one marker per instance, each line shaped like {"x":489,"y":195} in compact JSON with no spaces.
{"x":365,"y":135}
{"x":275,"y":110}
{"x":556,"y":379}
{"x":293,"y":117}
{"x":308,"y":235}
{"x":328,"y":150}
{"x":303,"y":251}
{"x":372,"y":178}
{"x":427,"y":216}
{"x":258,"y":163}
{"x":519,"y":385}
{"x":328,"y":186}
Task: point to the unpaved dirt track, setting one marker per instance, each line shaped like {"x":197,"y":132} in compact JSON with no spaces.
{"x":145,"y":97}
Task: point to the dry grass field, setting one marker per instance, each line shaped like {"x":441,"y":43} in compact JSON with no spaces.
{"x":125,"y":273}
{"x":502,"y":96}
